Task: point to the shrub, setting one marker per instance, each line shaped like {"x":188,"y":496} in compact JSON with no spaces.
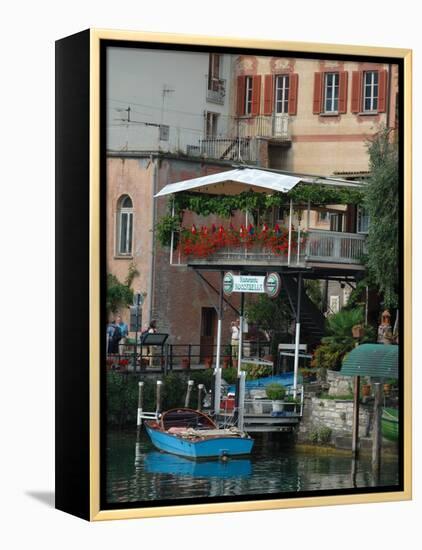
{"x":324,"y":435}
{"x":275,"y":391}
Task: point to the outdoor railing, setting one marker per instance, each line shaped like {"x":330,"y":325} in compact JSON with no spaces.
{"x":270,"y":126}
{"x":314,"y":246}
{"x":347,"y":248}
{"x":216,"y":90}
{"x":228,"y":148}
{"x":135,"y":358}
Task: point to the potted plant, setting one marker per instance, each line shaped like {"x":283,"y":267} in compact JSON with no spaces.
{"x":358,"y":331}
{"x":276,"y":393}
{"x":208,"y":362}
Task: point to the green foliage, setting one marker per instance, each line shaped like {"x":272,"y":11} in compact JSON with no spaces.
{"x":165,"y":227}
{"x":230,"y":375}
{"x":275,"y":391}
{"x":132,"y":273}
{"x":324,"y":435}
{"x":224,"y":206}
{"x":313,"y":291}
{"x":313,"y":436}
{"x":382,"y":203}
{"x":122,"y":394}
{"x":329,"y":355}
{"x":253,"y":372}
{"x":119,"y":295}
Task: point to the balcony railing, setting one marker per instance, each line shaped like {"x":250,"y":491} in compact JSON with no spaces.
{"x":216,"y":90}
{"x":316,"y":246}
{"x":272,"y":126}
{"x":228,"y":149}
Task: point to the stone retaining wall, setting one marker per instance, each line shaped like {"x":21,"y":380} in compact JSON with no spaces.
{"x":336,"y":415}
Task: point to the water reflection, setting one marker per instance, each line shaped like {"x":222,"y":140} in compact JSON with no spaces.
{"x":136,"y":471}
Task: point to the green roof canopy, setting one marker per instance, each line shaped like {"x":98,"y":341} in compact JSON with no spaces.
{"x":378,"y":360}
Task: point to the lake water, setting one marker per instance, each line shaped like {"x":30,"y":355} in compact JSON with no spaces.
{"x":138,"y":472}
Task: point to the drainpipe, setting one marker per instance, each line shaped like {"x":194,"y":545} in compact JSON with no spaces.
{"x":152,"y":258}
{"x":388,"y":96}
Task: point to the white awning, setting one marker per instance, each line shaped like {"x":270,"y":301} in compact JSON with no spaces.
{"x":233,"y":182}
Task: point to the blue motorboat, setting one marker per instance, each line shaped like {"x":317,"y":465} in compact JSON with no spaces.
{"x":193,"y":434}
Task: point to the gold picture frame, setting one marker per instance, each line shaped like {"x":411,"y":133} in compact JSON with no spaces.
{"x":90,"y":508}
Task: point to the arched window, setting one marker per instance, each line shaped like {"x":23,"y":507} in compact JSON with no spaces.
{"x":124,"y":226}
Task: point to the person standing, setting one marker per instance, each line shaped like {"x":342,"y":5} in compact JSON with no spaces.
{"x":114,"y":335}
{"x":235,"y":332}
{"x":124,"y":331}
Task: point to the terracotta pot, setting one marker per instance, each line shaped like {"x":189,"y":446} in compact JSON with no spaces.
{"x":387,"y":389}
{"x":185,"y":363}
{"x":208,"y":362}
{"x":358,"y":331}
{"x":226,"y":362}
{"x":366,"y":390}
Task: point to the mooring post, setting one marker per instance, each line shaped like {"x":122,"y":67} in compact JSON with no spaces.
{"x":355,"y":428}
{"x":241,"y":405}
{"x":297,"y":334}
{"x":140,"y":404}
{"x":158,"y":397}
{"x":188,"y":392}
{"x":200,"y":388}
{"x":376,"y":430}
{"x":217,"y":390}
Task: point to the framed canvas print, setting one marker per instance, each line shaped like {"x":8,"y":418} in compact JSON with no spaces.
{"x":233,"y":274}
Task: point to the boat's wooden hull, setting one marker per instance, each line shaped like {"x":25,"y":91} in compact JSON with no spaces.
{"x":215,"y":447}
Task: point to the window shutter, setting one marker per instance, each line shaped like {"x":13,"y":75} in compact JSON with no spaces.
{"x":293,"y":85}
{"x":241,"y":83}
{"x":357,"y":91}
{"x":318,"y":94}
{"x":256,"y":95}
{"x":342,"y":95}
{"x":268,"y":94}
{"x":382,"y":91}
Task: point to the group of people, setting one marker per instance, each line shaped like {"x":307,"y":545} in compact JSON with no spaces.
{"x":117,"y":332}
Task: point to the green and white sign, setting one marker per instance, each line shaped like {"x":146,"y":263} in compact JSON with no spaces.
{"x":257,"y":284}
{"x":272,"y":285}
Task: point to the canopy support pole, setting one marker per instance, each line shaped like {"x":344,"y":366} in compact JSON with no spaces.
{"x":297,"y":334}
{"x":289,"y":251}
{"x":239,"y":360}
{"x":217,"y":372}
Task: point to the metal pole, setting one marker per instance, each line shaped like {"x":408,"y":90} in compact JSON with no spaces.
{"x":241,"y":406}
{"x":140,"y":404}
{"x":239,"y":360}
{"x":188,"y":392}
{"x":172,"y":236}
{"x":376,"y":430}
{"x":308,"y":216}
{"x":219,"y":322}
{"x":217,"y":390}
{"x":355,"y":428}
{"x":298,"y":244}
{"x":290,"y":233}
{"x":158,"y":397}
{"x":297,"y":334}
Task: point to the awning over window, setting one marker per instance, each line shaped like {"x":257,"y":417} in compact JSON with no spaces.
{"x":377,"y":360}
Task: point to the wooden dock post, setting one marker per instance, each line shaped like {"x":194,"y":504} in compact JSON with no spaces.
{"x":376,"y":430}
{"x":200,"y":388}
{"x":140,"y":404}
{"x":188,"y":392}
{"x":355,"y":428}
{"x":158,"y":396}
